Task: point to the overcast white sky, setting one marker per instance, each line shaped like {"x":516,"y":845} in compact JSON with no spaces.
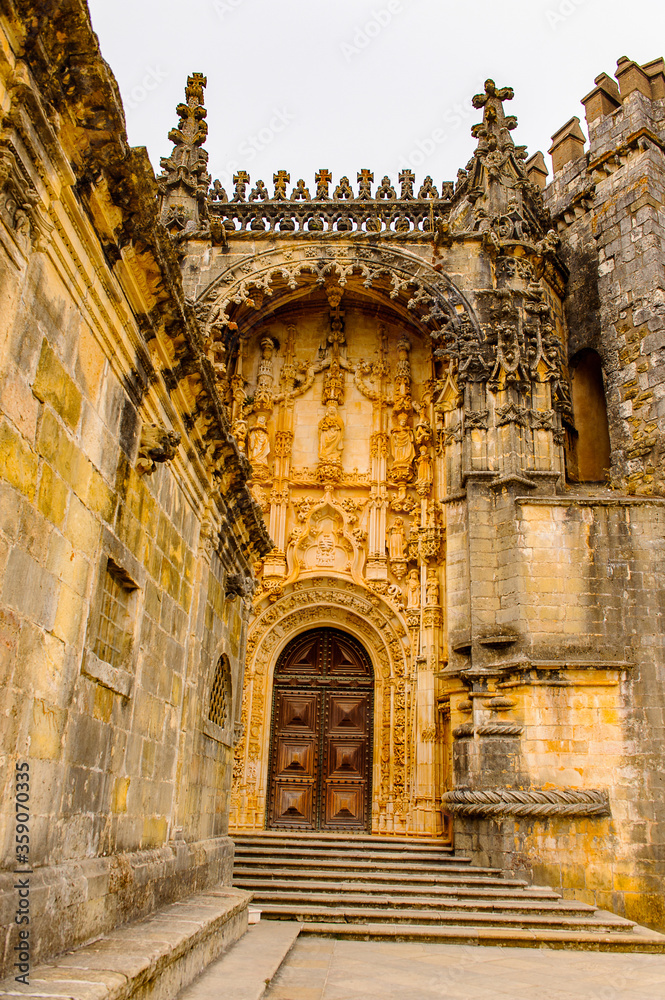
{"x":351,"y":84}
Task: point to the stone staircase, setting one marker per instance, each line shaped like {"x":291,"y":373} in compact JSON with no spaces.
{"x":404,"y":889}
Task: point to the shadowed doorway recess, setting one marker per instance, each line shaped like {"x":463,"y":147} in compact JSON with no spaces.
{"x":320,"y":760}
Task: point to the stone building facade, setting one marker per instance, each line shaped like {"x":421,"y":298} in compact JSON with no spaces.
{"x":127,"y":534}
{"x":451,"y":398}
{"x":428,"y":418}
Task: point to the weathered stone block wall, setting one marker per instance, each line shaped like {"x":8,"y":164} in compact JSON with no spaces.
{"x":582,"y":707}
{"x":103,"y":464}
{"x":608,"y":204}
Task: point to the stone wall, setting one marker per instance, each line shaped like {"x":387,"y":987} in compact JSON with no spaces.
{"x":607,"y":203}
{"x":585,"y":697}
{"x":126,"y":531}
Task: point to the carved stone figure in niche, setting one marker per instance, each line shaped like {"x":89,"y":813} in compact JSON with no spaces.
{"x":331,"y":435}
{"x":403,"y":377}
{"x":423,"y":432}
{"x":264,"y":385}
{"x":432,"y":588}
{"x":424,"y":480}
{"x":413,"y":589}
{"x":396,"y":540}
{"x":259,"y":442}
{"x":239,"y":431}
{"x":401,"y":442}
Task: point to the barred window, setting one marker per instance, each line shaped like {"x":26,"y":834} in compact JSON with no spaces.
{"x":114,"y":632}
{"x":220,"y":694}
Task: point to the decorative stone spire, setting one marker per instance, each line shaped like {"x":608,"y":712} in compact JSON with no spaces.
{"x":495,"y":178}
{"x":185,"y":181}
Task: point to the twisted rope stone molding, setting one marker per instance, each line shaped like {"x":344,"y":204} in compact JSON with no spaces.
{"x":488,"y":729}
{"x":500,"y":729}
{"x":514,"y":802}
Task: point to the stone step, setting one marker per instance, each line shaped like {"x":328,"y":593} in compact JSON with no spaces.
{"x":292,"y":899}
{"x":323,"y":862}
{"x":337,"y":876}
{"x":265,"y":887}
{"x":416,"y":893}
{"x":422,"y":916}
{"x":454,"y":892}
{"x":245,"y":971}
{"x":492,"y":936}
{"x":419,"y":858}
{"x":343,"y":841}
{"x":155,"y":957}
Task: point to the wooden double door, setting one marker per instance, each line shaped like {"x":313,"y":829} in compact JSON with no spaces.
{"x":321,"y":738}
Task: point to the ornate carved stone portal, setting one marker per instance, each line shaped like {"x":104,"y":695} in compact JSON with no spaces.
{"x":394,"y":366}
{"x":366,"y":385}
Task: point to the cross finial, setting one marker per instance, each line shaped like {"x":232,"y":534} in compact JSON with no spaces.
{"x":323,"y":180}
{"x":241,"y":180}
{"x":406,"y":179}
{"x":365,"y":179}
{"x":280,"y":180}
{"x":495,"y":126}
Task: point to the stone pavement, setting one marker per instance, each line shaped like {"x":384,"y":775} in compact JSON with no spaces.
{"x":328,"y":969}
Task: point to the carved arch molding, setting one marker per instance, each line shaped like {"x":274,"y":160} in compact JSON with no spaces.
{"x":401,"y":277}
{"x":375,"y":624}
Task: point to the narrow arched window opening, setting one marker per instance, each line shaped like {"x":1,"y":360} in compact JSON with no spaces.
{"x":592,"y":445}
{"x":219,"y":710}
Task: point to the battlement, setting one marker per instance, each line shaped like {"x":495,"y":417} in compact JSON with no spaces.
{"x":618,"y":113}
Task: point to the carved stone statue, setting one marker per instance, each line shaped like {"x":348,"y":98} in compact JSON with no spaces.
{"x":259,"y":442}
{"x":401,"y":442}
{"x":331,"y":435}
{"x":413,"y":589}
{"x":424,"y":468}
{"x":432,"y":588}
{"x":239,"y":431}
{"x":423,"y":432}
{"x":396,"y":540}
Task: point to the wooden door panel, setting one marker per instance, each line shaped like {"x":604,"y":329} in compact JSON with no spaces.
{"x":303,"y":657}
{"x":346,"y":658}
{"x":294,"y":805}
{"x":298,"y":713}
{"x":348,"y":715}
{"x":346,"y":783}
{"x":346,"y":760}
{"x":320,"y":763}
{"x":295,"y":758}
{"x":345,"y":807}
